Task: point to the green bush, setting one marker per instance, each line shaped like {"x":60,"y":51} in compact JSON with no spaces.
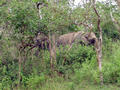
{"x":110,"y":31}
{"x":72,"y":59}
{"x":88,"y":72}
{"x":111,"y":64}
{"x":110,"y":67}
{"x":23,"y":18}
{"x":35,"y":81}
{"x":8,"y":64}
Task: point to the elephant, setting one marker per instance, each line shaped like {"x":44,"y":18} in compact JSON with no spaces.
{"x":41,"y":41}
{"x":80,"y":37}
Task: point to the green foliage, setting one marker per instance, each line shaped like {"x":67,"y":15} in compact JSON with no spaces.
{"x":110,"y":31}
{"x":55,"y":17}
{"x":111,"y":61}
{"x":35,"y":81}
{"x":24,"y":18}
{"x":8,"y":64}
{"x":88,"y":72}
{"x":67,"y":61}
{"x":77,"y":53}
{"x":111,"y":65}
{"x":74,"y":67}
{"x":3,"y":14}
{"x":44,"y":1}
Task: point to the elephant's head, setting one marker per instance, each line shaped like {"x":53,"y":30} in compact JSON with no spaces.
{"x":91,"y":38}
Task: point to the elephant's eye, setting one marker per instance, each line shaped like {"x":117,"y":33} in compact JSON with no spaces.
{"x":86,"y":37}
{"x":92,"y":41}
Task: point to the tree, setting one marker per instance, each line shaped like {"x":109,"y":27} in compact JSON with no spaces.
{"x":53,"y":15}
{"x":115,"y":21}
{"x":99,"y":44}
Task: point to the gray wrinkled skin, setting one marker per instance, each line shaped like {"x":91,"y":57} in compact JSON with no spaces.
{"x":86,"y":38}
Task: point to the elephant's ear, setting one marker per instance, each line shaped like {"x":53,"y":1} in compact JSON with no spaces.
{"x":86,"y":36}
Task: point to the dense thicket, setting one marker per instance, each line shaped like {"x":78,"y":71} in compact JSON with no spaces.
{"x":27,"y":27}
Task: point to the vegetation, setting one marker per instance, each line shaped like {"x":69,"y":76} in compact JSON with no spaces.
{"x":86,"y":58}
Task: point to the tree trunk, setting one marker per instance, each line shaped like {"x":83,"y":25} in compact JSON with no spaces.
{"x":52,"y":48}
{"x":99,"y":44}
{"x":98,"y":49}
{"x":19,"y":72}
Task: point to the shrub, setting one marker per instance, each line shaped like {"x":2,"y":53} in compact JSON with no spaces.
{"x":72,"y":59}
{"x":110,"y":67}
{"x":111,"y":64}
{"x":35,"y":81}
{"x":87,"y":72}
{"x":110,"y":31}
